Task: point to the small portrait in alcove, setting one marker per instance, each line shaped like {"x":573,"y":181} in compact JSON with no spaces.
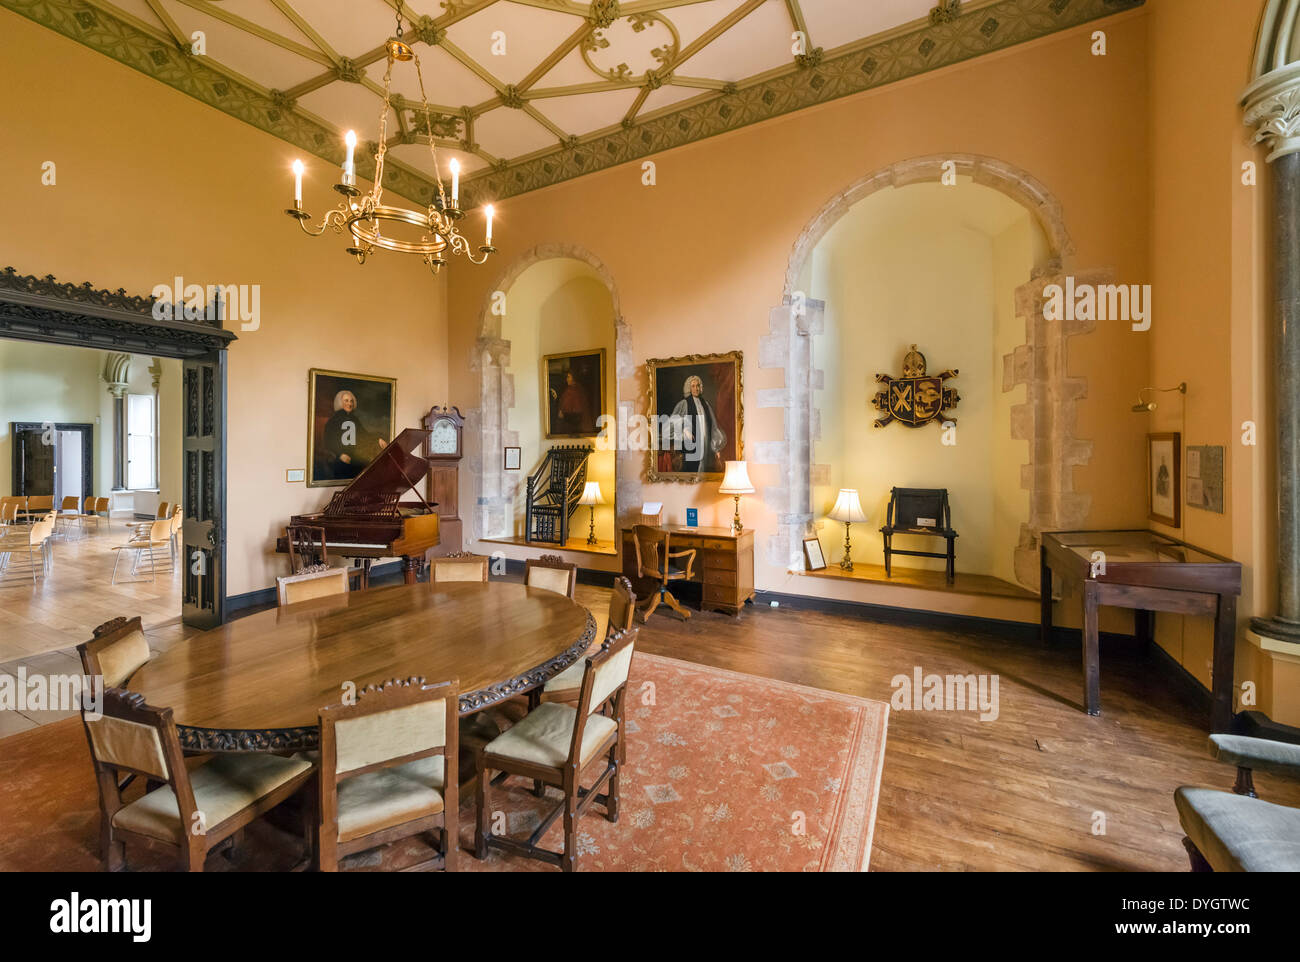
{"x":1164,"y":478}
{"x":350,"y":421}
{"x":699,"y":416}
{"x":573,"y":388}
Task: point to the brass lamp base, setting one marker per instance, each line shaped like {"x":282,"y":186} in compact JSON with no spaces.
{"x":847,"y":561}
{"x":736,"y":526}
{"x":591,"y":534}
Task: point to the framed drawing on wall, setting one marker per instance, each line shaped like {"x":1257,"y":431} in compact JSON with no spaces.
{"x":1164,"y":478}
{"x":513,"y":459}
{"x":573,"y":388}
{"x":697,"y":407}
{"x":350,"y":419}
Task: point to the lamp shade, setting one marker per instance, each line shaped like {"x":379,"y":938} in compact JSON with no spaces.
{"x":591,"y":494}
{"x":736,"y":480}
{"x":847,"y":507}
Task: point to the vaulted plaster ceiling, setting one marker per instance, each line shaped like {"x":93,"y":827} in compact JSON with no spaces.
{"x":529,"y":92}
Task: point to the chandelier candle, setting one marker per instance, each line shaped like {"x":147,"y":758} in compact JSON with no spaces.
{"x":349,"y":165}
{"x":428,"y":232}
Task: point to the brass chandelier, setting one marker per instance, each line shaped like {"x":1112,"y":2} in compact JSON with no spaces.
{"x":362,"y":218}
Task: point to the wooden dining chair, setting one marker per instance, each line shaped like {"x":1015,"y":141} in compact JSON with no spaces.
{"x":192,"y":811}
{"x":459,"y":566}
{"x":306,"y":547}
{"x":567,"y":685}
{"x":551,"y":572}
{"x":388,"y":770}
{"x":554,"y":744}
{"x":310,"y":585}
{"x":654,"y":557}
{"x":116,"y":650}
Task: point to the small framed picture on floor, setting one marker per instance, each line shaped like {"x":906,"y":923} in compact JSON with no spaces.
{"x":812,"y":552}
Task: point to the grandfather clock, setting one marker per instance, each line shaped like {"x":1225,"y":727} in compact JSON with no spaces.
{"x":443,"y":450}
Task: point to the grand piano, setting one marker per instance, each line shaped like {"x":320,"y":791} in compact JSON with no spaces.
{"x":368,"y":519}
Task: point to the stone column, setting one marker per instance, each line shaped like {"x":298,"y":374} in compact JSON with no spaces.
{"x":117,"y":375}
{"x":1272,"y":107}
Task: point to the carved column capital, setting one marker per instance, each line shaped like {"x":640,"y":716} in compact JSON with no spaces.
{"x":117,"y":374}
{"x":1271,"y":107}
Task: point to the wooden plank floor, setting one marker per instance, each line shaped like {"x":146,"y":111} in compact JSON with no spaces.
{"x":1023,"y":792}
{"x":61,"y":610}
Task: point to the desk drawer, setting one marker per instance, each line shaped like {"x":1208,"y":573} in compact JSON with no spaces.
{"x":719,"y":560}
{"x":721,"y":594}
{"x":720,"y":577}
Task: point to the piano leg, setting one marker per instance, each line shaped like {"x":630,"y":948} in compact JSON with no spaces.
{"x":363,"y":567}
{"x":412,"y":567}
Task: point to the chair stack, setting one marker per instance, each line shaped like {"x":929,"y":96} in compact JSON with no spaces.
{"x":25,"y":548}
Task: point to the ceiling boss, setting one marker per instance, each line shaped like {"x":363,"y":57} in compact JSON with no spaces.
{"x":435,"y":228}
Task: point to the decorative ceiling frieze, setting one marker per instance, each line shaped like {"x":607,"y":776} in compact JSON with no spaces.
{"x":648,"y":57}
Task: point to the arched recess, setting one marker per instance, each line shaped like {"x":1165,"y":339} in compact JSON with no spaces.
{"x":1046,"y":419}
{"x":488,"y":427}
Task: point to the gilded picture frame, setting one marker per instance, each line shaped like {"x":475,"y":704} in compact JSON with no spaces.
{"x":573,"y":393}
{"x":341,"y":442}
{"x":677,"y":416}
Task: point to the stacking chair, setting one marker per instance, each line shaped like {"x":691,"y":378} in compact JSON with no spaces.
{"x":177,"y":524}
{"x":310,"y":585}
{"x":26,"y":548}
{"x":164,"y":510}
{"x":554,"y":744}
{"x":654,"y":556}
{"x":551,"y":572}
{"x":115,"y":651}
{"x":459,"y":566}
{"x":158,"y":538}
{"x":70,"y":513}
{"x":567,"y":685}
{"x":37,"y":506}
{"x":102,"y":506}
{"x":8,"y":511}
{"x":1237,"y":831}
{"x":388,"y":770}
{"x":192,"y":811}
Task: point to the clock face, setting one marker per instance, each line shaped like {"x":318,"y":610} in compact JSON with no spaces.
{"x":442,"y":438}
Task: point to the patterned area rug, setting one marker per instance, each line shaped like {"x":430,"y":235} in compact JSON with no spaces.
{"x":725,"y":772}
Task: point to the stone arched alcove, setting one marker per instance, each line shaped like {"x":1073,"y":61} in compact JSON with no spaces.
{"x":488,"y":424}
{"x":1046,"y":419}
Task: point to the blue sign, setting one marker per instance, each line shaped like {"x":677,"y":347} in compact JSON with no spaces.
{"x":692,"y":517}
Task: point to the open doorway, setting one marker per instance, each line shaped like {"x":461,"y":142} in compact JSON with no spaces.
{"x":94,"y":437}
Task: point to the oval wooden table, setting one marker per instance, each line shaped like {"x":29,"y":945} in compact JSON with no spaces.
{"x":257,"y":683}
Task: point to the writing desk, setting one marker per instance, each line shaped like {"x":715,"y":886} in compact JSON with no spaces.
{"x":1148,"y":572}
{"x":724,"y":564}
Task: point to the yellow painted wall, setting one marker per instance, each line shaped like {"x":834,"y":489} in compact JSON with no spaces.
{"x":937,"y":266}
{"x":152,"y":184}
{"x":558,"y":306}
{"x":700,"y":259}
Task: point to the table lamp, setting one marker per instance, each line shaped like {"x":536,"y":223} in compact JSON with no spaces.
{"x":591,"y":497}
{"x":735,"y":483}
{"x":847,"y":509}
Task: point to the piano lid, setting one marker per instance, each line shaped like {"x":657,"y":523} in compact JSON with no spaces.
{"x":396,"y":470}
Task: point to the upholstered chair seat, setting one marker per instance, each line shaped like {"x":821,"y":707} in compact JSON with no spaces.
{"x":544,"y":735}
{"x":378,"y":800}
{"x":388,"y":771}
{"x":459,"y":566}
{"x":1236,"y":833}
{"x":222,"y":788}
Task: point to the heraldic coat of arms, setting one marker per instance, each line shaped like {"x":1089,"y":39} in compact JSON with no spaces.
{"x":915,"y":398}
